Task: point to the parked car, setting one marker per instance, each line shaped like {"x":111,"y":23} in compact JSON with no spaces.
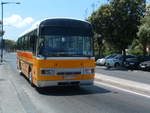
{"x":145,"y":65}
{"x":132,"y":63}
{"x":118,"y":60}
{"x":102,"y":61}
{"x":144,"y":58}
{"x":115,"y":61}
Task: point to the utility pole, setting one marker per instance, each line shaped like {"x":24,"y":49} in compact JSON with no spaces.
{"x":2,"y":33}
{"x":2,"y":24}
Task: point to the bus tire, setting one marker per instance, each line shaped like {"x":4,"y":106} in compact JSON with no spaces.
{"x":19,"y":67}
{"x":31,"y":79}
{"x":20,"y":71}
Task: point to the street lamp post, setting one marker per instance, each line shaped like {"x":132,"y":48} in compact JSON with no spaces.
{"x":2,"y":44}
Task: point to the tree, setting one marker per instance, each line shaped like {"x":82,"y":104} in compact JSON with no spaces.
{"x":144,"y":37}
{"x":126,"y":15}
{"x":9,"y":45}
{"x":144,"y":32}
{"x":101,"y":22}
{"x":118,"y":22}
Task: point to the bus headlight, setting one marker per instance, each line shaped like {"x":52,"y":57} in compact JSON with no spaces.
{"x":47,"y":72}
{"x":89,"y":71}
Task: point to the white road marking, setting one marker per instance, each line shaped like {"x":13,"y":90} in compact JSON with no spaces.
{"x":122,"y":89}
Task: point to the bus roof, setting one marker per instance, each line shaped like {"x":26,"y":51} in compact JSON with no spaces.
{"x":65,"y":22}
{"x":60,"y":22}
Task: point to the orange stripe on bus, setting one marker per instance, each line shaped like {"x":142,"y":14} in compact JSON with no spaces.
{"x":25,"y":54}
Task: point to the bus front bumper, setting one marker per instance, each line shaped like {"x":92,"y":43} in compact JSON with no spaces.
{"x":64,"y":83}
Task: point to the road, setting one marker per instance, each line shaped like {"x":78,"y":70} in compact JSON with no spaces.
{"x":87,"y":99}
{"x":133,"y":75}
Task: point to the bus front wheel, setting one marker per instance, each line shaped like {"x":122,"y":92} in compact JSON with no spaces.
{"x":31,"y":79}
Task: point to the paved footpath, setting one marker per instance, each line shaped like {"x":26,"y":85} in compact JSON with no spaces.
{"x":9,"y":99}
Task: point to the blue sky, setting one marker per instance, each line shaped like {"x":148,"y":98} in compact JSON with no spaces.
{"x":18,"y":18}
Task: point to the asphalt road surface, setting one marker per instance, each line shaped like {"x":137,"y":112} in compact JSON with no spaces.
{"x":87,"y":99}
{"x":133,"y":75}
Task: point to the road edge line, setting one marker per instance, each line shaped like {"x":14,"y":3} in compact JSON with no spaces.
{"x":122,"y":89}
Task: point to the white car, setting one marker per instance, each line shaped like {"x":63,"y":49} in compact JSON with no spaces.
{"x":115,"y":61}
{"x":102,"y":61}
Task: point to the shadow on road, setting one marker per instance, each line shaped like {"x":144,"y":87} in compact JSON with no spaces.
{"x":71,"y":90}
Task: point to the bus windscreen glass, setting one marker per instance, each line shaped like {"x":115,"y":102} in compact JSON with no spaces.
{"x":65,"y":46}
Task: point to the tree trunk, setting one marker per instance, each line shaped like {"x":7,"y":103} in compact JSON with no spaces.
{"x":124,"y":52}
{"x":100,"y":44}
{"x":144,"y":51}
{"x":99,"y":52}
{"x":148,"y":49}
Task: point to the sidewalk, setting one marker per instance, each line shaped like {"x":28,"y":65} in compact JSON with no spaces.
{"x":9,"y":100}
{"x":127,"y":84}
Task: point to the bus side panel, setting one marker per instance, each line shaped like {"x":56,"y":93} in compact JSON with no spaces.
{"x":24,"y":62}
{"x":35,"y":67}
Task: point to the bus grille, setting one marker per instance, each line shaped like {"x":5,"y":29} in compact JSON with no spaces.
{"x":69,"y":73}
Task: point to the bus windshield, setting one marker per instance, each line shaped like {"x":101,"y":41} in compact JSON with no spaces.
{"x":65,"y":46}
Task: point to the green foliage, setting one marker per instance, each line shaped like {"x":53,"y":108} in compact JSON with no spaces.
{"x":126,"y":19}
{"x":100,"y":20}
{"x":144,"y":32}
{"x":9,"y":45}
{"x":108,"y":52}
{"x":135,"y":52}
{"x":118,"y":22}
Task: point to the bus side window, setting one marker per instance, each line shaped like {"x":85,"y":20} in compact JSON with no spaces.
{"x":33,"y":39}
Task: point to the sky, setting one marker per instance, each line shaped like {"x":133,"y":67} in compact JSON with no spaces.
{"x":22,"y":17}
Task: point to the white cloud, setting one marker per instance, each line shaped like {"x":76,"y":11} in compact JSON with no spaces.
{"x":17,"y":21}
{"x":33,"y":26}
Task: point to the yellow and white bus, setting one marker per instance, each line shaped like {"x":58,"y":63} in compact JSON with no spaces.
{"x":58,"y":52}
